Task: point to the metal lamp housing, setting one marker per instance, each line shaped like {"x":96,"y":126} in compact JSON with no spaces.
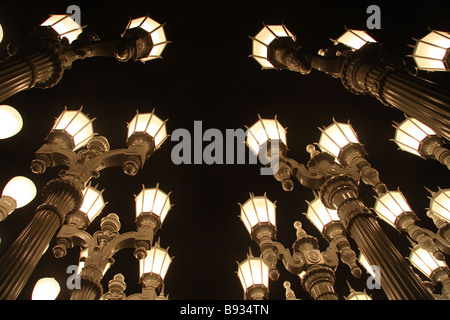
{"x":153,"y":269}
{"x":64,"y":26}
{"x":440,"y":204}
{"x":424,"y":261}
{"x":393,"y":208}
{"x":259,"y":217}
{"x":266,"y":43}
{"x":431,"y":53}
{"x":355,"y":39}
{"x":264,"y":131}
{"x":148,"y":39}
{"x":152,"y":207}
{"x":254,"y":276}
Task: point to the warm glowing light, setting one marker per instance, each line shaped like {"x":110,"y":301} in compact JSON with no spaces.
{"x":10,"y":121}
{"x":153,"y":200}
{"x":390,"y":206}
{"x":77,"y":125}
{"x":157,"y":35}
{"x":93,"y":202}
{"x":440,"y":204}
{"x":257,"y":210}
{"x":46,"y":289}
{"x":410,"y":134}
{"x":355,"y":39}
{"x":431,"y":52}
{"x":424,"y":261}
{"x":20,"y":189}
{"x":265,"y":130}
{"x":1,"y":33}
{"x":253,"y":272}
{"x":337,"y":136}
{"x":157,"y":261}
{"x":262,"y":41}
{"x":320,"y":215}
{"x":150,"y":124}
{"x":64,"y":25}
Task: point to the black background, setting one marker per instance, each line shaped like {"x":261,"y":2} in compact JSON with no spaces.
{"x":206,"y":75}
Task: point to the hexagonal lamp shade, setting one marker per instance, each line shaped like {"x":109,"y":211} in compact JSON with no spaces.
{"x":154,"y":201}
{"x":45,"y":289}
{"x":337,"y":136}
{"x":440,"y":204}
{"x":262,"y":41}
{"x":157,"y":262}
{"x":354,"y":39}
{"x":320,"y":215}
{"x":358,"y":295}
{"x":76,"y":126}
{"x":424,"y":261}
{"x":265,"y":130}
{"x":93,"y":202}
{"x":258,"y":210}
{"x":253,"y":273}
{"x":10,"y":121}
{"x":390,"y":206}
{"x":64,"y":25}
{"x":410,"y":134}
{"x":149,"y":124}
{"x":156,"y":34}
{"x":431,"y":53}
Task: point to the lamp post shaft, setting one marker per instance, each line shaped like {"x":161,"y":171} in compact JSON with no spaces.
{"x":20,"y":260}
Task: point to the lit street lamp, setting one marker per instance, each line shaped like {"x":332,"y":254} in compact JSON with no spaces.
{"x":364,"y":67}
{"x":10,"y":121}
{"x":18,"y":192}
{"x":40,"y":60}
{"x":46,"y":289}
{"x":338,"y":189}
{"x":64,"y":196}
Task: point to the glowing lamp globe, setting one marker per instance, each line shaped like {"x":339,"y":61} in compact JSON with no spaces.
{"x":10,"y":121}
{"x":21,"y":189}
{"x":46,"y":289}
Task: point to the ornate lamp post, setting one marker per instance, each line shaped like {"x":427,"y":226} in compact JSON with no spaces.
{"x":317,"y":268}
{"x":367,"y":70}
{"x":338,"y":190}
{"x":64,"y":195}
{"x":40,"y":60}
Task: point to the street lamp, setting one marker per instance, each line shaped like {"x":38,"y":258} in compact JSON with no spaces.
{"x":64,"y":195}
{"x":10,"y":121}
{"x":414,"y":137}
{"x":338,"y":189}
{"x":18,"y":192}
{"x":364,"y":69}
{"x":431,"y":53}
{"x":434,"y":269}
{"x":40,"y":60}
{"x":46,"y":289}
{"x":254,"y":276}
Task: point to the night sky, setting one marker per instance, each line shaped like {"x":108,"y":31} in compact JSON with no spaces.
{"x":206,"y":75}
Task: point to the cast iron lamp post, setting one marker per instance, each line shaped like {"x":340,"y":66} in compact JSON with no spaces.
{"x":152,"y":206}
{"x":338,"y":190}
{"x":364,"y":67}
{"x":64,"y":195}
{"x":40,"y":60}
{"x":315,"y":267}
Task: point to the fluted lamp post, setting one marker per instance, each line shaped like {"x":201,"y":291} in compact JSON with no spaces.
{"x":10,"y":121}
{"x":18,"y":192}
{"x":338,"y":189}
{"x":367,"y":70}
{"x":40,"y":60}
{"x":414,"y":137}
{"x":253,"y":274}
{"x":70,"y":143}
